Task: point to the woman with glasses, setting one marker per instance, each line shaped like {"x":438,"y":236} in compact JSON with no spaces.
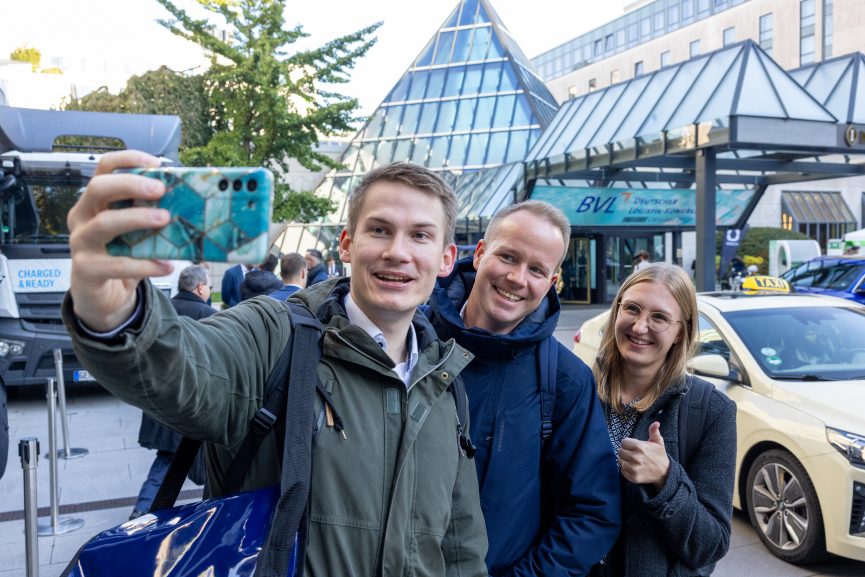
{"x":675,"y":520}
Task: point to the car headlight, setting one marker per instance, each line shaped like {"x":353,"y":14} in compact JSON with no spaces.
{"x":849,"y":445}
{"x":14,"y":348}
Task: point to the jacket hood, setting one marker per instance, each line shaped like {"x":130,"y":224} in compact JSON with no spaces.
{"x":259,"y":280}
{"x":450,"y":295}
{"x":327,"y":300}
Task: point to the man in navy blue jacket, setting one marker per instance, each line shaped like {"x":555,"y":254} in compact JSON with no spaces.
{"x":551,"y":505}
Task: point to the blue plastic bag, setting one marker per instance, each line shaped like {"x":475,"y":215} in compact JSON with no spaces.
{"x":217,"y":537}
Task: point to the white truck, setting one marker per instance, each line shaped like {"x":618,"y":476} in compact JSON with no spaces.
{"x":39,"y":182}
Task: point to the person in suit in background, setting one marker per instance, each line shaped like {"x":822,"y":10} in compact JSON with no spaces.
{"x":190,"y":301}
{"x":292,"y":269}
{"x":262,"y":281}
{"x":333,"y":270}
{"x":316,"y":272}
{"x":231,"y":283}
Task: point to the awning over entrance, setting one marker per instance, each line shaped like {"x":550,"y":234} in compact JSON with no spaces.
{"x":729,"y":117}
{"x":820,"y":215}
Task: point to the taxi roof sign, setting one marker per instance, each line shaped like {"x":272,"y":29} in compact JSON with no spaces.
{"x":765,"y":284}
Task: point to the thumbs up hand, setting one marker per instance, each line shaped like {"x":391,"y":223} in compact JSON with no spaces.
{"x":645,"y":462}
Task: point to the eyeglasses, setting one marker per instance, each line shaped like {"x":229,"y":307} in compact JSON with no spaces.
{"x":657,"y":321}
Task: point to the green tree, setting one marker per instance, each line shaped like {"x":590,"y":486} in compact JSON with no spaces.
{"x":29,"y":54}
{"x":269,"y":105}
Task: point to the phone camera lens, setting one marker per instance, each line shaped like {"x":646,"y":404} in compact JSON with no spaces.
{"x":223,"y":184}
{"x":237,"y":185}
{"x":251,"y":185}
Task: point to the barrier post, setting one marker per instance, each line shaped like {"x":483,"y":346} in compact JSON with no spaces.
{"x":66,"y":452}
{"x":28,"y":450}
{"x":55,"y":524}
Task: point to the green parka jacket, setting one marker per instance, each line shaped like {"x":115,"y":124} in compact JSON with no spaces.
{"x":395,"y":497}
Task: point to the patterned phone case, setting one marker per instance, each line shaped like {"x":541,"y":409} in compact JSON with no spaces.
{"x":218,"y":214}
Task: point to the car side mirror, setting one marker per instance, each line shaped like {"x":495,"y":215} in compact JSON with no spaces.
{"x":711,"y":366}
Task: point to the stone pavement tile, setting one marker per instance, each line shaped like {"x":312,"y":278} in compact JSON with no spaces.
{"x":756,"y":560}
{"x":743,"y":533}
{"x":54,"y":570}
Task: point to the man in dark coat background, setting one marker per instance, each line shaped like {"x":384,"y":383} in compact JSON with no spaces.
{"x":316,"y":272}
{"x":191,"y":301}
{"x":292,"y":269}
{"x":231,"y":283}
{"x":261,"y":281}
{"x":552,"y":507}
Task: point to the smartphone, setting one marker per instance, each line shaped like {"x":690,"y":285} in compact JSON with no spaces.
{"x":217,"y":214}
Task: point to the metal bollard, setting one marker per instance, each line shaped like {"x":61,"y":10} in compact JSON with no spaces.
{"x":28,"y":450}
{"x":66,"y":452}
{"x":55,"y":524}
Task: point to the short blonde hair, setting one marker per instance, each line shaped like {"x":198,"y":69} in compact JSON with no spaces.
{"x":608,"y":365}
{"x":411,"y":175}
{"x":540,"y":209}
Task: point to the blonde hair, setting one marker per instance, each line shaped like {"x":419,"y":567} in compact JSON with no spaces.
{"x":608,"y":367}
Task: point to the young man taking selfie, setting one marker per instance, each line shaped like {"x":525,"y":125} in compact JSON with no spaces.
{"x":387,"y":494}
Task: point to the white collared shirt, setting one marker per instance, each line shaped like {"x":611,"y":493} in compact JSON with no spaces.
{"x":357,"y":317}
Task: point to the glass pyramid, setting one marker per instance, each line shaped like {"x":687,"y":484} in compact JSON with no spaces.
{"x":838,"y":84}
{"x":470,"y":103}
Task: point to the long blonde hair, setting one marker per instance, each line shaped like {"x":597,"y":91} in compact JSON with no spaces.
{"x":608,"y":366}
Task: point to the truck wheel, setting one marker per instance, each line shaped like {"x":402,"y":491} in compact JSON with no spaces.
{"x":783,"y":506}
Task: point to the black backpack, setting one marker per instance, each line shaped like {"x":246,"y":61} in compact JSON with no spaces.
{"x":289,"y":398}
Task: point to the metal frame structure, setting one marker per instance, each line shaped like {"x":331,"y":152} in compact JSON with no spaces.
{"x":732,"y":116}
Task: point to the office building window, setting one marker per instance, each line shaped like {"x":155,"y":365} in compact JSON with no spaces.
{"x":665,"y":59}
{"x":702,"y":9}
{"x":673,"y":17}
{"x":730,"y":36}
{"x":593,"y":85}
{"x":599,"y":48}
{"x":659,"y":23}
{"x":806,"y":32}
{"x":766,"y":33}
{"x":695,"y":48}
{"x":572,"y":92}
{"x":633,"y":36}
{"x":638,"y":68}
{"x":645,"y":28}
{"x":687,"y":11}
{"x":620,"y":40}
{"x":587,"y":53}
{"x":614,"y":77}
{"x":608,"y":45}
{"x":827,"y":29}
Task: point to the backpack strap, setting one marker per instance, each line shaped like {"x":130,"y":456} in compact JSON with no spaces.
{"x":176,"y":474}
{"x":458,"y":390}
{"x":548,"y":361}
{"x":693,"y":409}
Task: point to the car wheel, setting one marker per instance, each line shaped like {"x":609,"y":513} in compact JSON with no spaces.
{"x":783,"y":506}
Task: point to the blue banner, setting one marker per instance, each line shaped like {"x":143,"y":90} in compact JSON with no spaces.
{"x":639,"y":207}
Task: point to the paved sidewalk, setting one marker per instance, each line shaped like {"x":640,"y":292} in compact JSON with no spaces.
{"x":114,"y":469}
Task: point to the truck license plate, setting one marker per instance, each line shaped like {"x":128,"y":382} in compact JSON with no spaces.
{"x":81,"y":376}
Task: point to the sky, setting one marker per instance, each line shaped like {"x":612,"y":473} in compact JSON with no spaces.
{"x":126,"y":31}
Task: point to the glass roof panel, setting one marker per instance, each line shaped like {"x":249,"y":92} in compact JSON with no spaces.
{"x":465,"y":114}
{"x":472,"y":82}
{"x":794,"y":206}
{"x":504,"y":111}
{"x":824,"y":77}
{"x":757,"y":96}
{"x":366,"y":156}
{"x":447,"y":114}
{"x":556,"y":128}
{"x":523,"y":112}
{"x":517,"y":145}
{"x":703,"y":87}
{"x":443,"y":50}
{"x":498,"y":147}
{"x":374,"y":126}
{"x":436,"y":83}
{"x":402,"y":150}
{"x":801,"y":75}
{"x":420,"y":151}
{"x":459,"y":146}
{"x":391,"y":123}
{"x":477,"y":149}
{"x":428,"y":116}
{"x":608,"y":100}
{"x":845,"y":209}
{"x":826,"y":199}
{"x":721,"y":102}
{"x":632,"y":92}
{"x":657,"y":84}
{"x":575,"y":124}
{"x":350,"y":156}
{"x":676,"y":90}
{"x":401,"y":89}
{"x":480,"y":42}
{"x":425,"y":58}
{"x":462,"y":45}
{"x":482,"y":15}
{"x":383,"y":153}
{"x":438,"y":151}
{"x":409,"y":119}
{"x":495,"y":50}
{"x":492,"y":75}
{"x":470,"y":8}
{"x":839,"y":100}
{"x":418,"y":85}
{"x":455,"y":81}
{"x":859,"y":105}
{"x":484,"y":113}
{"x":799,"y":104}
{"x":509,"y":79}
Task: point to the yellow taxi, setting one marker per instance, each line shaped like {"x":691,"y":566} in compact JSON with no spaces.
{"x":795,"y":365}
